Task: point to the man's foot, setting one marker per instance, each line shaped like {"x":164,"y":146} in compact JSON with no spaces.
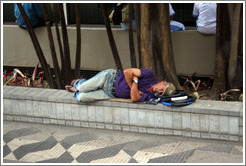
{"x":70,"y":88}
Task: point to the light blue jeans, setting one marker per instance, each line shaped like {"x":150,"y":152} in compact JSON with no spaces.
{"x":98,"y":87}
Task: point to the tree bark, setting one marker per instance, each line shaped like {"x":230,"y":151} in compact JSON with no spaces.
{"x":52,"y":49}
{"x":111,"y":38}
{"x":37,"y":48}
{"x":59,"y":44}
{"x":145,"y":37}
{"x":66,"y":51}
{"x":138,"y":31}
{"x":229,"y":54}
{"x":166,"y":45}
{"x":78,"y":46}
{"x":234,"y":12}
{"x":131,"y":41}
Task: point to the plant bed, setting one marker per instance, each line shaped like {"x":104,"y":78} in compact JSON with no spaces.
{"x":197,"y":86}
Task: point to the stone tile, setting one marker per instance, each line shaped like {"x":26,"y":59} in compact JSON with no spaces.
{"x":60,"y":111}
{"x":46,"y":108}
{"x":7,"y":103}
{"x":37,"y":109}
{"x":234,"y":125}
{"x":116,"y":115}
{"x":214,"y":136}
{"x":108,"y":114}
{"x":195,"y":134}
{"x":125,"y":128}
{"x":177,"y":120}
{"x":159,"y":119}
{"x":141,"y":118}
{"x":67,"y":111}
{"x":99,"y":113}
{"x":53,"y":112}
{"x":168,"y":120}
{"x":93,"y":125}
{"x":204,"y":121}
{"x":214,"y":124}
{"x":83,"y":113}
{"x":186,"y":122}
{"x":224,"y":124}
{"x":100,"y":126}
{"x":224,"y":137}
{"x":168,"y":132}
{"x":233,"y":138}
{"x":133,"y":116}
{"x":29,"y":108}
{"x":124,"y":116}
{"x":75,"y":112}
{"x":187,"y":133}
{"x":134,"y":129}
{"x":117,"y":127}
{"x":150,"y":118}
{"x":109,"y":126}
{"x":15,"y":107}
{"x":84,"y":124}
{"x":151,"y":131}
{"x":177,"y":132}
{"x":205,"y":135}
{"x":195,"y":122}
{"x":91,"y":113}
{"x":142,"y":130}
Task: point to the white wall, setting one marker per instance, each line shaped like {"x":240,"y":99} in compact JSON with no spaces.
{"x":193,"y":52}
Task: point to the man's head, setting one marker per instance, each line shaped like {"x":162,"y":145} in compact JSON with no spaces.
{"x":164,"y":88}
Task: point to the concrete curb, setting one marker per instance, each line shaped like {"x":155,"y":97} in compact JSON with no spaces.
{"x":203,"y":119}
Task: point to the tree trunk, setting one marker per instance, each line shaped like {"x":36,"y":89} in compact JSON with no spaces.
{"x":37,"y":48}
{"x":111,"y":38}
{"x":59,"y":44}
{"x":166,"y":45}
{"x":235,"y":13}
{"x":78,"y":46}
{"x":131,"y":41}
{"x":229,"y":54}
{"x":52,"y":48}
{"x":145,"y":36}
{"x":138,"y":31}
{"x":67,"y":70}
{"x":156,"y":43}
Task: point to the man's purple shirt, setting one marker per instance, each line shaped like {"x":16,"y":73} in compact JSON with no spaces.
{"x":145,"y":81}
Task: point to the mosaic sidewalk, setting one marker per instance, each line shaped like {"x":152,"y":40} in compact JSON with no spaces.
{"x":39,"y":143}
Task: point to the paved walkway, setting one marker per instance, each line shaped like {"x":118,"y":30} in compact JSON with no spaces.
{"x":39,"y":143}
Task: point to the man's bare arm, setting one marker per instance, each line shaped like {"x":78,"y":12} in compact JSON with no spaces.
{"x":133,"y":74}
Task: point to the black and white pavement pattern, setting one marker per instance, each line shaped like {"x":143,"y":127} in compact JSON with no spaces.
{"x":40,"y":143}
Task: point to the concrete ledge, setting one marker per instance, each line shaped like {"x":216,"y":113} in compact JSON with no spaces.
{"x":193,"y":52}
{"x":203,"y":119}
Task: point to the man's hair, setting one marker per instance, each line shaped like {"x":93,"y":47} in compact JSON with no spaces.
{"x":170,"y":90}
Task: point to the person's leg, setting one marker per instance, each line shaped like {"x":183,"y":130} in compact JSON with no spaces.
{"x":124,"y":26}
{"x":176,"y":26}
{"x":96,"y":82}
{"x":92,"y":96}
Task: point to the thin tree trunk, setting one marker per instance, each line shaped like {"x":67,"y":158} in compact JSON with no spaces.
{"x":111,"y":38}
{"x":234,"y":12}
{"x":166,"y":45}
{"x":145,"y":37}
{"x":59,"y":44}
{"x":37,"y":48}
{"x":138,"y":31}
{"x":223,"y":33}
{"x":78,"y":46}
{"x":52,"y":49}
{"x":67,"y":70}
{"x":131,"y":41}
